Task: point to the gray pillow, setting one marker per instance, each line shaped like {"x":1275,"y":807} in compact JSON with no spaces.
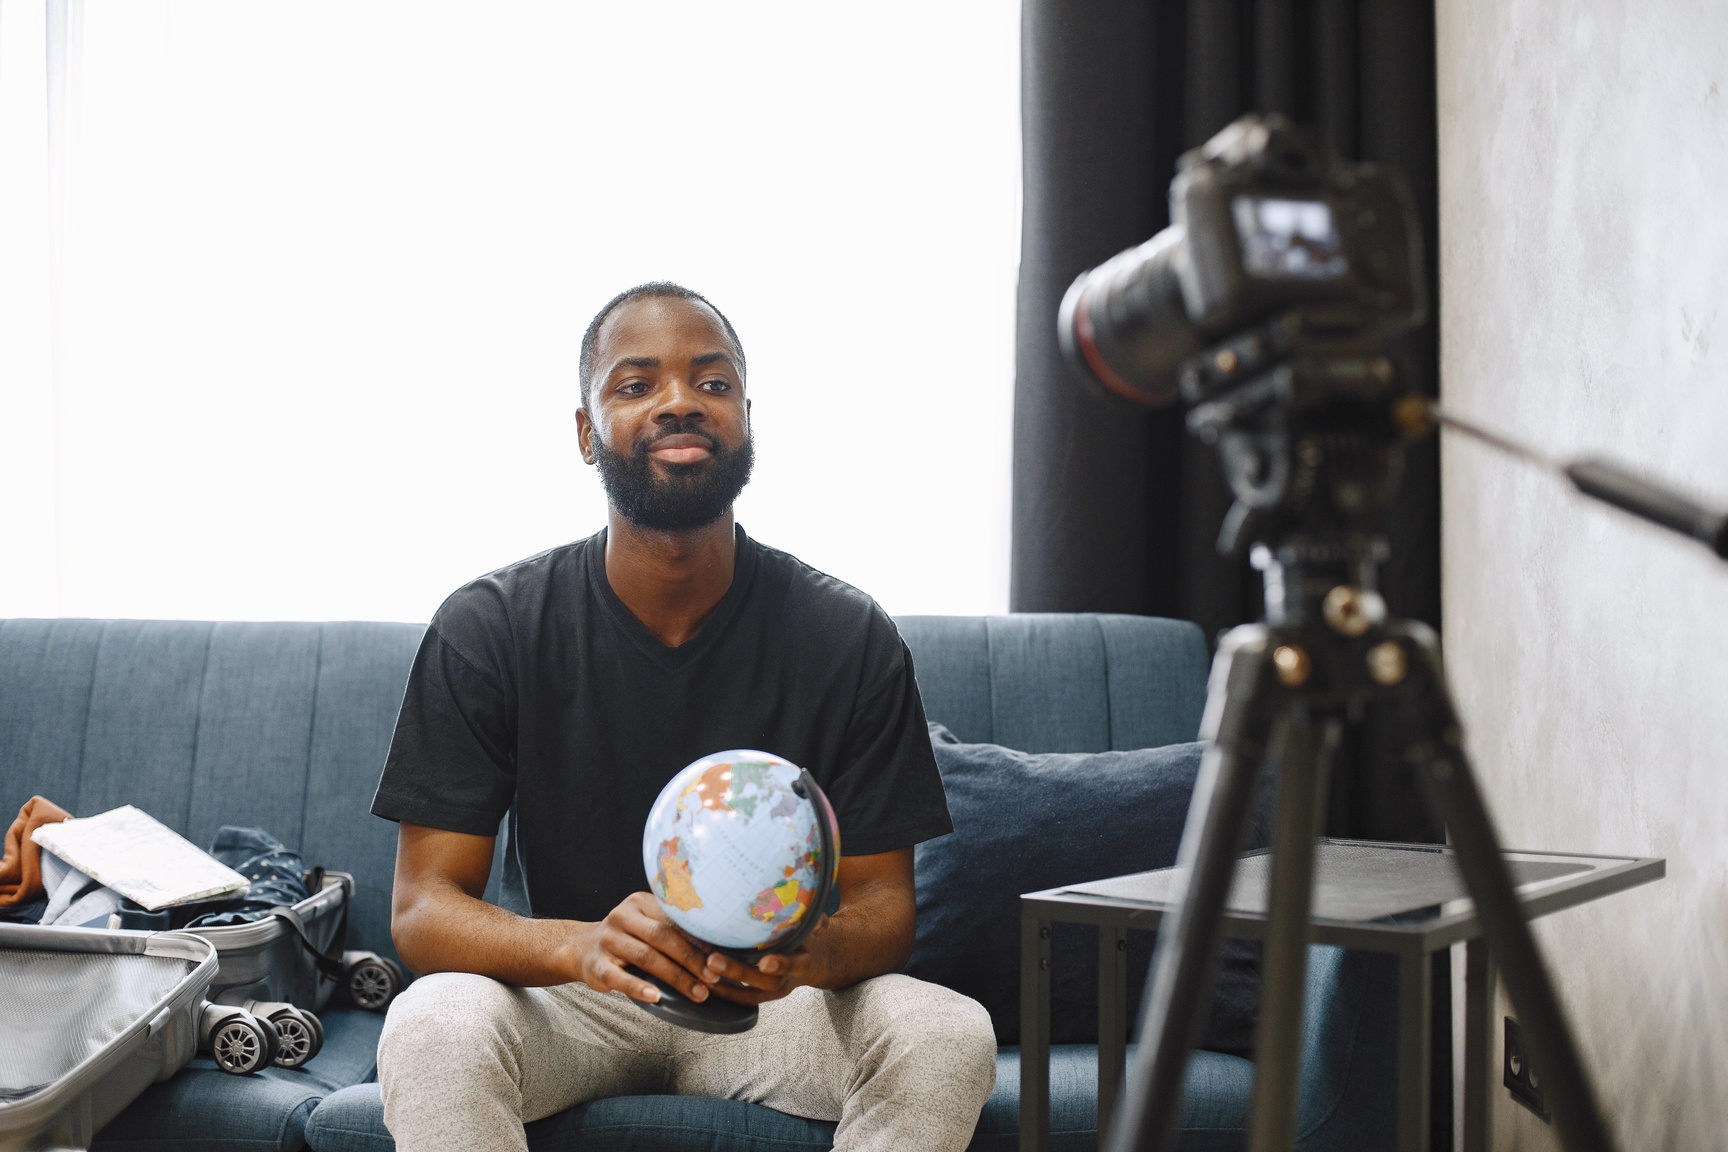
{"x":1025,"y":822}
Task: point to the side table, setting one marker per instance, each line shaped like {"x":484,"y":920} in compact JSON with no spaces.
{"x":1405,"y":899}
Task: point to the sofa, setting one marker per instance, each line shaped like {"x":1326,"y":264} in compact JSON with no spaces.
{"x":285,"y":726}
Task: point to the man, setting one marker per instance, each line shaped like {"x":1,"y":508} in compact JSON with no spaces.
{"x":566,"y":690}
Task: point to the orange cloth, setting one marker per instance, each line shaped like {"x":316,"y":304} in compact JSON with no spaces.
{"x":21,"y":867}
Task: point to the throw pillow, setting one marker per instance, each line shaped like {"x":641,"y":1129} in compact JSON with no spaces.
{"x":1025,"y":822}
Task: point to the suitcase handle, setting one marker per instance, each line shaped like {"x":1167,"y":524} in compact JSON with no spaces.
{"x":330,"y":965}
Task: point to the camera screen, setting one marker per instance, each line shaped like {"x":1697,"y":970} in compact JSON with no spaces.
{"x":1289,"y":239}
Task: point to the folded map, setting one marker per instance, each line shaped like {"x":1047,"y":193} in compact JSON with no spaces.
{"x":139,"y":857}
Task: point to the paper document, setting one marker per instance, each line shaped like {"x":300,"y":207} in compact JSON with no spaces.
{"x":139,"y":857}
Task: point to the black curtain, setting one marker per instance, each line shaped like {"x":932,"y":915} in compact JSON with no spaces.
{"x":1116,"y":512}
{"x":1119,"y":513}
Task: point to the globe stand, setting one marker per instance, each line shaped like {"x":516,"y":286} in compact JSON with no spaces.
{"x":720,"y":1017}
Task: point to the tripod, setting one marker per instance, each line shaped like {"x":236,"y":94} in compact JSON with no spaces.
{"x":1312,"y":449}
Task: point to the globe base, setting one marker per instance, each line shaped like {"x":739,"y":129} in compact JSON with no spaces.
{"x":715,"y":1015}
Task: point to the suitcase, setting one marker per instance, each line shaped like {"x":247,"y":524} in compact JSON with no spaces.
{"x":285,"y":967}
{"x":90,"y":1018}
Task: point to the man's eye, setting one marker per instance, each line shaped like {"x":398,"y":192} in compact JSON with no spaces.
{"x":633,"y":388}
{"x":717,"y":385}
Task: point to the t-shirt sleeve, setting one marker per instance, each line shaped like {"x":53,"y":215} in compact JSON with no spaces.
{"x":887,"y":793}
{"x":452,"y":762}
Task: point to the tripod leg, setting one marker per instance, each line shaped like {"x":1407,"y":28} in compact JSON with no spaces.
{"x":1302,"y":773}
{"x":1242,"y":700}
{"x":1436,"y":751}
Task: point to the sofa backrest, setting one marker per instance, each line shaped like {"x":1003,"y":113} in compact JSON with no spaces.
{"x":1061,"y":682}
{"x":286,"y":726}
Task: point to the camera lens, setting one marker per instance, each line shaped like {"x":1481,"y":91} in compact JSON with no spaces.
{"x":1123,"y":325}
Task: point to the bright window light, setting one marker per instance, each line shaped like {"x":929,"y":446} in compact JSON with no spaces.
{"x":328,"y":264}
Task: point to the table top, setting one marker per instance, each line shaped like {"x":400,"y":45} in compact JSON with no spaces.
{"x":1383,"y":897}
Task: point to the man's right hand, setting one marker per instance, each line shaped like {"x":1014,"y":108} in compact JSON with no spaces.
{"x":637,"y":932}
{"x":440,"y":924}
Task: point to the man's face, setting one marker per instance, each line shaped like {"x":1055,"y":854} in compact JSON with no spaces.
{"x":667,"y":422}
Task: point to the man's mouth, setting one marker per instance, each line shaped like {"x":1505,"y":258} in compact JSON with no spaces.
{"x":682,"y":448}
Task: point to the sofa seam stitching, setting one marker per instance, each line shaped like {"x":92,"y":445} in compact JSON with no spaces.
{"x":311,"y":731}
{"x":198,"y":725}
{"x":89,"y":709}
{"x":1109,"y":706}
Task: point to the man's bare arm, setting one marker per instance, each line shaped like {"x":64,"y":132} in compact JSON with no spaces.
{"x":440,"y":924}
{"x":870,"y":934}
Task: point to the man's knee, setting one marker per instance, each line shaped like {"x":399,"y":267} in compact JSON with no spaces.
{"x":445,"y":1022}
{"x":929,"y":1021}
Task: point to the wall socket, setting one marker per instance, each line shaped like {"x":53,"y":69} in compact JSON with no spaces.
{"x":1520,"y":1078}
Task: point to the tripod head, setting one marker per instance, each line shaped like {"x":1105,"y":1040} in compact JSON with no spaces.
{"x":1311,"y":438}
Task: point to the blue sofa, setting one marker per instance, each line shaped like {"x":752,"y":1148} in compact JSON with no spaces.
{"x":285,"y":726}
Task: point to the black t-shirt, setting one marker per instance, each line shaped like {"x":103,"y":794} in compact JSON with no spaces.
{"x":536,"y":692}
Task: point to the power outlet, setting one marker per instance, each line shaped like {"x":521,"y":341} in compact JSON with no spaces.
{"x":1517,"y":1073}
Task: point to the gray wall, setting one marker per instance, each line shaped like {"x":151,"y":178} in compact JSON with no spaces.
{"x":1584,"y":239}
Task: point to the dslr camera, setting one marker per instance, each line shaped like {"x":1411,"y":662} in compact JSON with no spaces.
{"x":1268,"y":305}
{"x":1271,"y":236}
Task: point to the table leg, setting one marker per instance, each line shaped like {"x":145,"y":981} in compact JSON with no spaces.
{"x":1034,"y":1034}
{"x":1479,"y":1070}
{"x":1415,"y":993}
{"x":1112,"y":1022}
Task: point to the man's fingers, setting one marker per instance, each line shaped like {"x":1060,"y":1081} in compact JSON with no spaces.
{"x":633,"y":950}
{"x":664,"y":936}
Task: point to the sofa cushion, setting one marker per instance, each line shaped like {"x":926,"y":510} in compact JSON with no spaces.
{"x":1214,"y":1119}
{"x":204,"y":1110}
{"x":1025,"y":822}
{"x":1060,"y":682}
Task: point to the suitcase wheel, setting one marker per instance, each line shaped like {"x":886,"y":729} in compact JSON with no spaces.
{"x":242,"y":1044}
{"x":299,"y":1034}
{"x":373,"y":981}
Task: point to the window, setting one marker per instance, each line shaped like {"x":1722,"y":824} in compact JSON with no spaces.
{"x":326,"y":267}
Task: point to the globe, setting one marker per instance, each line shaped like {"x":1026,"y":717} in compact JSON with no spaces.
{"x":739,"y":848}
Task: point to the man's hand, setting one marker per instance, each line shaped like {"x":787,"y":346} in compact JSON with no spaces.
{"x":638,"y":932}
{"x":775,"y":976}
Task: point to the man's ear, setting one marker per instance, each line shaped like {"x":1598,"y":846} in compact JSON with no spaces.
{"x":585,"y":435}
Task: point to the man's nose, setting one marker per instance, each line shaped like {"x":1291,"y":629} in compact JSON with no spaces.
{"x":680,"y":401}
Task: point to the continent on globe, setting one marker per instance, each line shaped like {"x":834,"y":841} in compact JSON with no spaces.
{"x":782,"y":904}
{"x":672,"y":883}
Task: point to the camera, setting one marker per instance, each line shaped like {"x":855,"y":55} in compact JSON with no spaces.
{"x":1277,"y":250}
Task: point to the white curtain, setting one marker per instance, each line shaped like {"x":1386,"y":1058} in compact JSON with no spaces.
{"x":290,"y":293}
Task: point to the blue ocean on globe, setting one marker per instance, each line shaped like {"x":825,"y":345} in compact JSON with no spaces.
{"x":732,"y":853}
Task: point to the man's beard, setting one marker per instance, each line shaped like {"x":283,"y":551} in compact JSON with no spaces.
{"x":691,"y":496}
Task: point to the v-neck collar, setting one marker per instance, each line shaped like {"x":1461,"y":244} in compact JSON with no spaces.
{"x":671,"y":659}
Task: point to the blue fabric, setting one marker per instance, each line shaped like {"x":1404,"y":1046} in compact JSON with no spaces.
{"x":1025,"y":822}
{"x":203,"y":1110}
{"x":1057,"y":682}
{"x":1215,"y":1114}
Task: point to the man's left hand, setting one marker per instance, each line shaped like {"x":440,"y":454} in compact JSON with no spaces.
{"x":774,"y":976}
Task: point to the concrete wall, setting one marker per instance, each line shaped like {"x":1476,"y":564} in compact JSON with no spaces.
{"x":1584,"y":241}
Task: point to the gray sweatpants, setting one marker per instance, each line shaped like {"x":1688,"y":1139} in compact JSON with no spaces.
{"x":902,"y":1065}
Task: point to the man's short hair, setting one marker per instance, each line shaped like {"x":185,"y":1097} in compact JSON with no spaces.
{"x":591,"y":338}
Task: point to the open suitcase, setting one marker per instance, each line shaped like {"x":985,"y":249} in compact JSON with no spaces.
{"x":89,"y":1018}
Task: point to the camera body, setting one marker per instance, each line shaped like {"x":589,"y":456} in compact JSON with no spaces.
{"x":1268,"y":230}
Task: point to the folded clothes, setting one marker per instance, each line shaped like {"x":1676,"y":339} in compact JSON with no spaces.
{"x":75,"y":899}
{"x":276,"y":875}
{"x":21,"y":866}
{"x":65,"y":896}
